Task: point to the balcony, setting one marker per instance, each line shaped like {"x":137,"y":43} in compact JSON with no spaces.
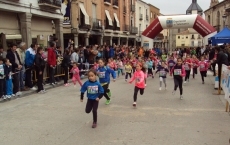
{"x":83,"y":25}
{"x":147,"y":17}
{"x":132,"y":8}
{"x":115,"y":4}
{"x":124,"y":9}
{"x":107,"y":26}
{"x":125,"y":28}
{"x":107,"y":2}
{"x":97,"y":24}
{"x":133,"y":30}
{"x":141,"y":17}
{"x":55,"y":4}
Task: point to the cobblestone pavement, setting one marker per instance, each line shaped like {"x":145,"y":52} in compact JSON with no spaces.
{"x":58,"y":117}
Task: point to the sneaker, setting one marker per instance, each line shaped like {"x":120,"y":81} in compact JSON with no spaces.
{"x":109,"y":94}
{"x":66,"y":85}
{"x":4,"y":97}
{"x":13,"y":95}
{"x":8,"y":96}
{"x":18,"y":93}
{"x":44,"y":91}
{"x":181,"y":97}
{"x":185,"y":82}
{"x":126,"y":80}
{"x":34,"y":88}
{"x":40,"y":92}
{"x":134,"y":104}
{"x":107,"y":102}
{"x":94,"y":125}
{"x":52,"y":84}
{"x":160,"y":88}
{"x":173,"y":92}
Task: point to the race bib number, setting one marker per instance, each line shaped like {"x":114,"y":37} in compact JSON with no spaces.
{"x":92,"y":89}
{"x":138,"y":79}
{"x":177,"y":72}
{"x":171,"y":64}
{"x":202,"y":66}
{"x":186,"y":67}
{"x":162,"y":73}
{"x":101,"y":74}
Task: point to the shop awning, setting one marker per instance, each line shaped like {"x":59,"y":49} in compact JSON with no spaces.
{"x":109,"y":18}
{"x":117,"y":20}
{"x":81,"y":5}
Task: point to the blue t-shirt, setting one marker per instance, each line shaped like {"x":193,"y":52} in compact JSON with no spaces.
{"x":94,"y":89}
{"x":104,"y":74}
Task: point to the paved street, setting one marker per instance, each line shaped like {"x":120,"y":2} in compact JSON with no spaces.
{"x":58,"y":117}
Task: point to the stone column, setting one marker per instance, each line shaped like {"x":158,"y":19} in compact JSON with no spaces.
{"x":59,"y":32}
{"x":119,"y":41}
{"x":86,"y":39}
{"x":25,"y":21}
{"x":111,"y":41}
{"x":135,"y":42}
{"x":76,"y":39}
{"x":101,"y":40}
{"x":127,"y":41}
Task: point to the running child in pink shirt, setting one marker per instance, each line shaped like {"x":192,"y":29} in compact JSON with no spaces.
{"x":76,"y":76}
{"x":139,"y":77}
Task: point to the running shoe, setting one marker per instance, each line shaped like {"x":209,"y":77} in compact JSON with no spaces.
{"x":134,"y":104}
{"x":160,"y":88}
{"x":94,"y":125}
{"x":181,"y":97}
{"x":107,"y":102}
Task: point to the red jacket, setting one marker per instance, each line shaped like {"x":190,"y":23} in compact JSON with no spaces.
{"x":52,"y":57}
{"x":187,"y":64}
{"x":195,"y":63}
{"x":203,"y":66}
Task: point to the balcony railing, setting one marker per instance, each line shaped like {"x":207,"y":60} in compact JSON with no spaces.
{"x":97,"y":24}
{"x":132,"y":8}
{"x":82,"y":23}
{"x":50,"y":3}
{"x":133,"y":30}
{"x":124,"y":9}
{"x":115,"y":28}
{"x":147,"y":17}
{"x":126,"y":28}
{"x":107,"y":2}
{"x":141,"y":17}
{"x":115,"y":3}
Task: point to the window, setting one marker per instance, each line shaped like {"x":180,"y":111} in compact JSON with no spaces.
{"x":178,"y":37}
{"x":199,"y":43}
{"x":192,"y":43}
{"x":140,"y":10}
{"x":182,"y":44}
{"x":94,"y":10}
{"x":186,"y":37}
{"x":151,"y":15}
{"x":193,"y":37}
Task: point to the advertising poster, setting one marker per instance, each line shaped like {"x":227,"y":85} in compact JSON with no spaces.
{"x":225,"y":82}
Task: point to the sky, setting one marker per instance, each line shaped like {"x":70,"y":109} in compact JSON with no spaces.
{"x":177,"y":6}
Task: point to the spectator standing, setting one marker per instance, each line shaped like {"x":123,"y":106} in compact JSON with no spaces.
{"x":39,"y":66}
{"x":52,"y":62}
{"x":2,"y":52}
{"x":2,"y":78}
{"x":29,"y":64}
{"x":66,"y":62}
{"x":21,"y":52}
{"x":75,"y":56}
{"x":14,"y":59}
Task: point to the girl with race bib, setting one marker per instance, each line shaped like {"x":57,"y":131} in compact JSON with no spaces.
{"x":139,"y":78}
{"x":103,"y":73}
{"x":163,"y":70}
{"x":203,"y":68}
{"x":178,"y":73}
{"x":187,"y":66}
{"x":94,"y":93}
{"x":171,"y":62}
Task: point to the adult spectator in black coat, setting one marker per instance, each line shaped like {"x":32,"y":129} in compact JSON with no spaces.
{"x":212,"y":55}
{"x":66,"y":62}
{"x":14,"y":58}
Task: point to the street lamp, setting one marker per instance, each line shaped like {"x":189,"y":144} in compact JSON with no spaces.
{"x":224,"y":18}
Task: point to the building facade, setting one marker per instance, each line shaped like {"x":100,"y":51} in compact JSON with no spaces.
{"x":31,"y":21}
{"x":101,"y":22}
{"x":188,"y":39}
{"x":143,"y":21}
{"x":218,"y":14}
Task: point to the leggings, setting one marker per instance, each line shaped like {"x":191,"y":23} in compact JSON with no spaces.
{"x":187,"y":74}
{"x":106,"y":90}
{"x":194,"y":71}
{"x":134,"y":69}
{"x":76,"y":79}
{"x":136,"y":89}
{"x":92,"y":105}
{"x":203,"y":74}
{"x":178,"y":82}
{"x":128,"y":74}
{"x":150,"y":71}
{"x":119,"y":71}
{"x":164,"y":81}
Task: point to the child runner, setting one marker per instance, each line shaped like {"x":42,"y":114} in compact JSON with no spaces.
{"x":128,"y":71}
{"x":104,"y":78}
{"x":76,"y":75}
{"x":195,"y":63}
{"x":119,"y":67}
{"x":2,"y":78}
{"x":94,"y":94}
{"x":203,"y":68}
{"x":178,"y":72}
{"x":139,"y":77}
{"x":171,"y":62}
{"x":187,"y":66}
{"x":162,"y":74}
{"x":149,"y":64}
{"x":9,"y":84}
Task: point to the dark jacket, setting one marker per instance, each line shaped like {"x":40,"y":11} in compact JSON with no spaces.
{"x":11,"y":57}
{"x":7,"y":71}
{"x":66,"y":61}
{"x":39,"y":62}
{"x":222,"y":58}
{"x":211,"y":54}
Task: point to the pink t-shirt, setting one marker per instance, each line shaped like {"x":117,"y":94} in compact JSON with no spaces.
{"x":139,"y":78}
